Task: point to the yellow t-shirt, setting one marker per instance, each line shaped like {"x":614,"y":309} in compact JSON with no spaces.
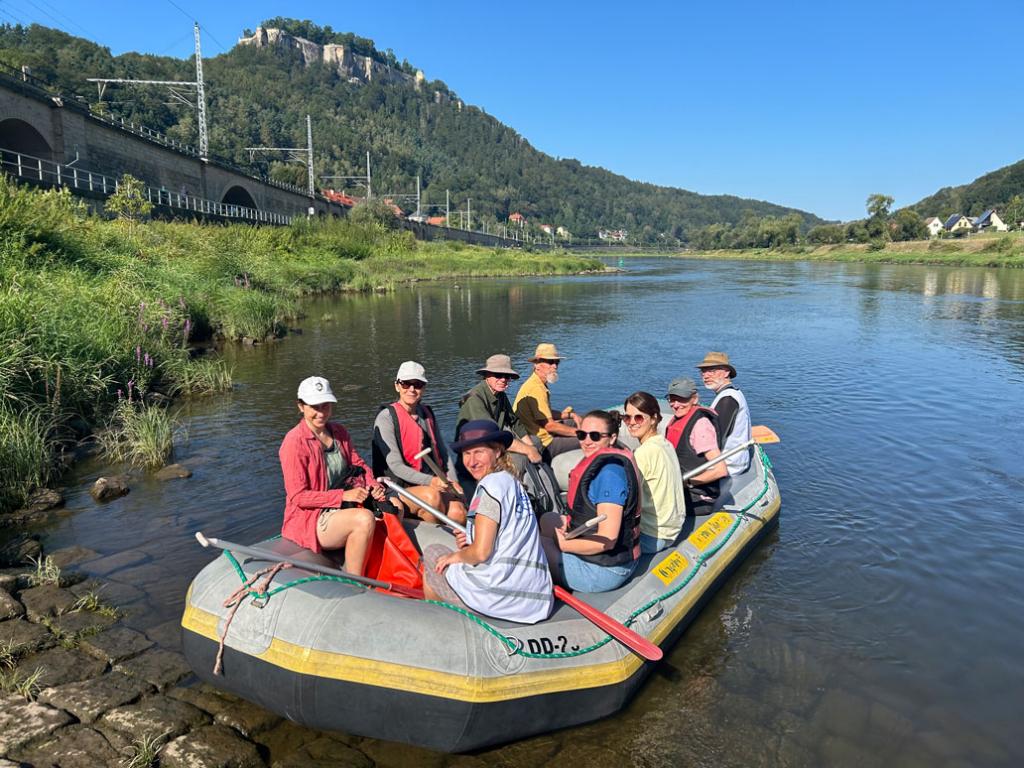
{"x":664,"y":506}
{"x":533,"y":407}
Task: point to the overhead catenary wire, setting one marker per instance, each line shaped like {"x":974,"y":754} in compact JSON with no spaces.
{"x":192,"y":17}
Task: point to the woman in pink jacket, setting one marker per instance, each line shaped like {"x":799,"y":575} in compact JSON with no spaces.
{"x":321,"y":471}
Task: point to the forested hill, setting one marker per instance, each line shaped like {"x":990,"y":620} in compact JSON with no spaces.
{"x":993,"y":190}
{"x":259,"y":95}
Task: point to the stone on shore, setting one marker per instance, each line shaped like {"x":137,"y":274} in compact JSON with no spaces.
{"x":325,"y":753}
{"x":10,"y":608}
{"x":80,"y":623}
{"x":36,"y":508}
{"x":173,"y":472}
{"x":47,"y":601}
{"x":158,"y":667}
{"x":23,"y":721}
{"x":61,"y":666}
{"x":116,"y":644}
{"x":12,"y":578}
{"x":153,"y":715}
{"x":25,"y":635}
{"x":19,"y":551}
{"x":212,"y":746}
{"x":77,"y":746}
{"x":89,"y":699}
{"x":62,"y":558}
{"x":245,"y":717}
{"x":107,"y":488}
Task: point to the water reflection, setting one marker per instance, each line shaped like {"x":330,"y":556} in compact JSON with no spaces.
{"x":881,"y":621}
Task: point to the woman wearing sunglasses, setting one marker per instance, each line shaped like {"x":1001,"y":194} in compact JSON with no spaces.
{"x":401,"y":431}
{"x":605,"y":482}
{"x":499,"y":569}
{"x":317,"y":459}
{"x":664,"y":504}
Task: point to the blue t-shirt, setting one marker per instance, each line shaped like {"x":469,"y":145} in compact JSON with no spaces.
{"x":610,"y":486}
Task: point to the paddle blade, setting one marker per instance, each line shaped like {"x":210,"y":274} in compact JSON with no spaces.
{"x":632,"y":640}
{"x":763,"y":434}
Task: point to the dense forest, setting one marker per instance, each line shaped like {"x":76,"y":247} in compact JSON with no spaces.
{"x":993,"y":190}
{"x":260,"y":97}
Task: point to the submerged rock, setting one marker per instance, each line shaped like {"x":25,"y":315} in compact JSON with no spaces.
{"x":173,"y":472}
{"x":19,"y":550}
{"x":107,"y":488}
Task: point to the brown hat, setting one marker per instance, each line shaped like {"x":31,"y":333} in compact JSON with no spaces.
{"x":546,"y":352}
{"x":717,"y":360}
{"x":498,"y":364}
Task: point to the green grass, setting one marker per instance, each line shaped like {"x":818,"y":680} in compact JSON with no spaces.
{"x":144,"y":751}
{"x":1002,"y":249}
{"x":47,"y":572}
{"x":89,"y":310}
{"x":139,"y":434}
{"x":26,"y":686}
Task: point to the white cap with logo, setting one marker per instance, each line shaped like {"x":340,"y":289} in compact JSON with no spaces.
{"x":411,"y":371}
{"x":316,"y":390}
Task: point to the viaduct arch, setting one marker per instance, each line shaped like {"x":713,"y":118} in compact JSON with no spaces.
{"x":19,"y":136}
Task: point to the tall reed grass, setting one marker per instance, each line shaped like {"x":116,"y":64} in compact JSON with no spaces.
{"x":89,"y":311}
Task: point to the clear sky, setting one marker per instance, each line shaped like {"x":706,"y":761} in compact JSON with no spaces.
{"x":815,"y":105}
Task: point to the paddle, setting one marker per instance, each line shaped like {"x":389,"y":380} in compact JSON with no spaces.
{"x":763,"y":434}
{"x":579,"y":530}
{"x":264,"y":554}
{"x":632,"y":640}
{"x":720,"y":457}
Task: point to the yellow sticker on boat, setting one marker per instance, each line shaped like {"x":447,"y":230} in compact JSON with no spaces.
{"x":705,"y":536}
{"x":670,"y":567}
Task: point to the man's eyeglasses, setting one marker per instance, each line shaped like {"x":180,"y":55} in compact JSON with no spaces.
{"x":505,"y":376}
{"x":549,"y":362}
{"x":412,"y":384}
{"x":635,"y":419}
{"x":594,"y":436}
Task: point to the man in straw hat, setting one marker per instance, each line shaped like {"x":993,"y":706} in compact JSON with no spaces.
{"x":717,"y":374}
{"x":489,"y":400}
{"x":533,"y":405}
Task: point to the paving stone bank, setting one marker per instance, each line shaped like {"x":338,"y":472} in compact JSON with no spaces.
{"x":97,"y":687}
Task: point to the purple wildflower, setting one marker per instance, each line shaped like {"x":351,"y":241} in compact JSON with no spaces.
{"x":163,"y":322}
{"x":120,"y":395}
{"x":138,"y":354}
{"x":188,"y":326}
{"x":148,"y":360}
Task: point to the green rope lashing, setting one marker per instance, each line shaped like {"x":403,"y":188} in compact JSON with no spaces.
{"x":514,"y":646}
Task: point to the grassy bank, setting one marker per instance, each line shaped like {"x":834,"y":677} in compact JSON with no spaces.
{"x":997,"y":249}
{"x":93,"y":314}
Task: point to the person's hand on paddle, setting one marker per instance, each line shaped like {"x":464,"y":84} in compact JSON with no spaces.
{"x":358,"y":495}
{"x":439,"y":485}
{"x":378,"y":492}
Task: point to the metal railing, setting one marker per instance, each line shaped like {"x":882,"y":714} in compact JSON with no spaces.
{"x":47,"y":172}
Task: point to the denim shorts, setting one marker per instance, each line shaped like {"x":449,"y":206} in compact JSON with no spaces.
{"x":584,"y":576}
{"x":650,"y":545}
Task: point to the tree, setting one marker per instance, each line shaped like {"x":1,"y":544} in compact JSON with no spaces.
{"x":907,"y":225}
{"x":1013,"y":214}
{"x":129,"y":203}
{"x":879,"y":206}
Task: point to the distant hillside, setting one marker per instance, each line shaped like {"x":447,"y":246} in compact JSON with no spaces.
{"x":362,"y":99}
{"x":993,"y":190}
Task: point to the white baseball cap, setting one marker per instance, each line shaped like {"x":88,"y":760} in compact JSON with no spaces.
{"x":316,"y":390}
{"x":411,"y":371}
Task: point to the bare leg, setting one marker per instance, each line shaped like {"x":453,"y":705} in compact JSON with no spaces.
{"x":350,"y":528}
{"x":428,"y":496}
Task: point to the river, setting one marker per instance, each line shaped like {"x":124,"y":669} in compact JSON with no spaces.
{"x":882,"y":621}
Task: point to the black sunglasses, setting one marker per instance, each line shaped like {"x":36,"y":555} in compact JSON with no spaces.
{"x":594,"y":436}
{"x":549,"y":362}
{"x":413,"y":384}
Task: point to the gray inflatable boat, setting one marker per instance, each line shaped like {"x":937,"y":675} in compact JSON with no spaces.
{"x":336,"y":655}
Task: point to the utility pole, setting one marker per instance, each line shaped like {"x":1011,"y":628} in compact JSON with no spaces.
{"x":369,"y":186}
{"x":447,"y":202}
{"x":469,"y":214}
{"x":419,"y":210}
{"x":174,"y":86}
{"x":204,"y":140}
{"x":309,"y":155}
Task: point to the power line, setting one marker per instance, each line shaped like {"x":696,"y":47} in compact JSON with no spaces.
{"x":69,"y":20}
{"x":190,"y":17}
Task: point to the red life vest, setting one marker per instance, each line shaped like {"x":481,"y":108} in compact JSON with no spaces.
{"x":699,"y":499}
{"x":413,"y":436}
{"x":582,"y":509}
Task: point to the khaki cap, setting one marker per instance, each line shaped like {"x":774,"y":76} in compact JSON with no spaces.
{"x":717,"y":360}
{"x":546,"y":352}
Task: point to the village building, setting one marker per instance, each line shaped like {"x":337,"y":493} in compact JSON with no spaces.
{"x":934,"y":225}
{"x":517,"y":219}
{"x":957,"y":222}
{"x":991,"y":219}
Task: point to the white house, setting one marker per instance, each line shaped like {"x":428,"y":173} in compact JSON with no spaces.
{"x":934,"y":226}
{"x":990,"y":219}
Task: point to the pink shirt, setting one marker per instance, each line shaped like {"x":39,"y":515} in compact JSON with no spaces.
{"x":703,"y":437}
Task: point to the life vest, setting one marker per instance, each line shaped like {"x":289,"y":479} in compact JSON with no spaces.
{"x":678,"y":433}
{"x":582,"y":509}
{"x":413,"y":436}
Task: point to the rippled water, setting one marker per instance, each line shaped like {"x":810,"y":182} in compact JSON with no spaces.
{"x":883,"y":621}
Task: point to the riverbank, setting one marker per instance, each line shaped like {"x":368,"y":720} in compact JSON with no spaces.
{"x":998,"y":249}
{"x":97,"y":317}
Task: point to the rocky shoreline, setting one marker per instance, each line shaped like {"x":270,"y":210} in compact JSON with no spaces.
{"x":79,"y":688}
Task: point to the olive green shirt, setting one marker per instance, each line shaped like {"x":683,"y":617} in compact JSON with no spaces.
{"x":481,"y":402}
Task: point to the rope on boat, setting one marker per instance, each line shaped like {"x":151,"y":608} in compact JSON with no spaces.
{"x":236,"y":600}
{"x":514,"y":646}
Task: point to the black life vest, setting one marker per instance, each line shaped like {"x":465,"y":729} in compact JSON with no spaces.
{"x":582,"y":509}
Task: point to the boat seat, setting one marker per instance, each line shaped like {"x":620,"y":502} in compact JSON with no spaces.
{"x":287,"y":548}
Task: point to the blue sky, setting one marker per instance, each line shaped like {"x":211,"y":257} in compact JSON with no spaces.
{"x":809,"y":104}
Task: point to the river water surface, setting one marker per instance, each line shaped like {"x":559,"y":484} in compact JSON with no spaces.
{"x":882,"y":622}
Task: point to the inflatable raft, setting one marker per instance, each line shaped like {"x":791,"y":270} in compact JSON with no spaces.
{"x":335,"y":655}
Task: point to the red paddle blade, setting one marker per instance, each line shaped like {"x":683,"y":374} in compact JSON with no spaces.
{"x":632,"y":640}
